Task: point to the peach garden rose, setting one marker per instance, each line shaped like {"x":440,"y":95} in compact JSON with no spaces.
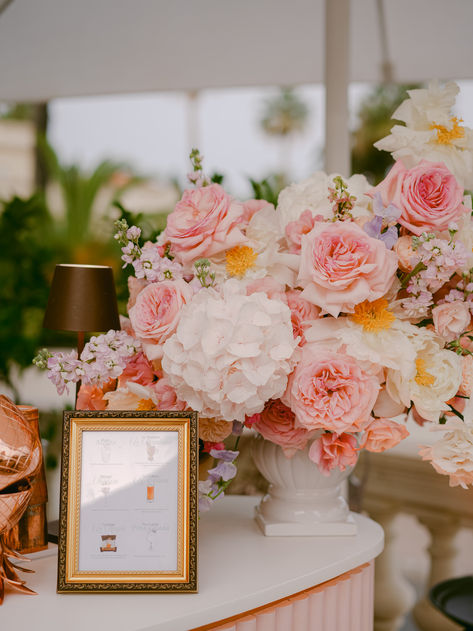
{"x":428,"y":196}
{"x":332,"y":451}
{"x":329,"y":390}
{"x":382,"y":434}
{"x":342,"y":266}
{"x":203,"y":223}
{"x":303,"y":313}
{"x":156,"y":312}
{"x":277,"y":423}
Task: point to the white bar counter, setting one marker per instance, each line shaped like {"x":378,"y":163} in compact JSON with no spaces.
{"x":239,"y":571}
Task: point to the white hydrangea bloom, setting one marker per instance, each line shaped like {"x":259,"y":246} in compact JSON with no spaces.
{"x":231,"y":352}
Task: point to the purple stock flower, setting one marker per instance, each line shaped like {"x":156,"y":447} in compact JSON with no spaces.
{"x":237,"y":428}
{"x":383,"y":216}
{"x":224,"y":454}
{"x":224,"y":470}
{"x":390,"y":212}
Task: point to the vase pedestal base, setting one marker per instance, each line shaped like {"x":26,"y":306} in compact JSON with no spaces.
{"x":272,"y":528}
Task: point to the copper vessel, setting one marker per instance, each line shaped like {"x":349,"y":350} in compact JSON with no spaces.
{"x":30,"y":534}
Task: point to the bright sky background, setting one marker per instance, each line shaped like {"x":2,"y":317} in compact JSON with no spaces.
{"x":150,"y":132}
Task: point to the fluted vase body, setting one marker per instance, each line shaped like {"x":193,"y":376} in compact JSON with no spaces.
{"x":300,"y":499}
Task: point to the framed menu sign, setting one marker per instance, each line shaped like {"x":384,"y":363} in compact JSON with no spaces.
{"x":128,"y":517}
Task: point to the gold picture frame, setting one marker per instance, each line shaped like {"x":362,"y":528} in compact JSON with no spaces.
{"x":129,"y":506}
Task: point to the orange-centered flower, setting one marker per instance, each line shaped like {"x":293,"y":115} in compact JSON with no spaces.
{"x":145,"y":404}
{"x":423,"y":378}
{"x":446,"y":136}
{"x":373,"y":316}
{"x":240,"y":259}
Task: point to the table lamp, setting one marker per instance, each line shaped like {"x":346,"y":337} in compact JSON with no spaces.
{"x":82,"y":298}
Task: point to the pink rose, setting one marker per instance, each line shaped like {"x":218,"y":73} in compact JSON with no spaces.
{"x":276,"y":423}
{"x":302,"y":313}
{"x":135,"y":286}
{"x":125,"y":325}
{"x":203,"y":223}
{"x":329,"y":390}
{"x":465,"y":342}
{"x":382,"y":434}
{"x":466,"y":386}
{"x":428,"y":195}
{"x":166,"y":397}
{"x":342,"y":266}
{"x":331,"y":450}
{"x":156,"y":313}
{"x":451,"y":319}
{"x":295,"y":230}
{"x":251,"y":207}
{"x":138,"y":369}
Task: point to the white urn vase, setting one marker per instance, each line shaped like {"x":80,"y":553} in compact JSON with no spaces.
{"x":301,"y":501}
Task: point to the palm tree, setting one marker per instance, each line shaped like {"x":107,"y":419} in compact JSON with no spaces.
{"x":79,"y":192}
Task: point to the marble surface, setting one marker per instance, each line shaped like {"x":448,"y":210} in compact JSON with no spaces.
{"x":239,"y":569}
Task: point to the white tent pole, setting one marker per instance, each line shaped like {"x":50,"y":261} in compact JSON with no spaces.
{"x":337,"y":54}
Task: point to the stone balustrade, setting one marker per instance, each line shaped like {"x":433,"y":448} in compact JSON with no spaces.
{"x":400,"y":482}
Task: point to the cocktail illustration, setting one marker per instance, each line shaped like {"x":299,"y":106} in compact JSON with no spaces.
{"x":150,"y":450}
{"x":150,"y":493}
{"x":105,"y":450}
{"x":109,"y":543}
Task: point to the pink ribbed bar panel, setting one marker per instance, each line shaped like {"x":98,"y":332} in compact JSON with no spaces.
{"x":342,"y":604}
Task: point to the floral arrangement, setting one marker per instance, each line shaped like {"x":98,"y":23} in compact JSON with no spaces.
{"x":319,"y":324}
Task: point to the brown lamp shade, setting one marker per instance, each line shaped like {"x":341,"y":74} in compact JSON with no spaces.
{"x":82,"y":298}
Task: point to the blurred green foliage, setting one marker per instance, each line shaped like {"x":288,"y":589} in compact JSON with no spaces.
{"x":374,"y":123}
{"x":269,"y":188}
{"x":27,"y":257}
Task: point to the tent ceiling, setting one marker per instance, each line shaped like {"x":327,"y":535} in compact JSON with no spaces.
{"x":57,"y":48}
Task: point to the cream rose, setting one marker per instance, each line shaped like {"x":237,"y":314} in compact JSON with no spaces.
{"x":451,"y":319}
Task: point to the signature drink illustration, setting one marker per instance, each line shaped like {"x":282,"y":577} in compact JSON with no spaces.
{"x":108,"y":543}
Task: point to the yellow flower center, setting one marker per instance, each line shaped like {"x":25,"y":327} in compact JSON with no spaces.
{"x":145,"y":404}
{"x":446,"y":136}
{"x":373,"y":316}
{"x":240,"y":259}
{"x":423,"y":378}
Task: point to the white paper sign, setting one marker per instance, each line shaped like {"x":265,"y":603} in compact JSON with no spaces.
{"x":128,"y":500}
